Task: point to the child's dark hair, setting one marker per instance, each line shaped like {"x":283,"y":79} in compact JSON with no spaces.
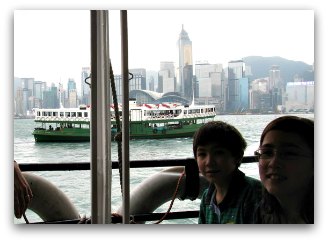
{"x":292,"y":124}
{"x":224,"y":134}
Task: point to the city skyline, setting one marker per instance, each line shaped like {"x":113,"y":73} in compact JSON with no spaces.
{"x":57,"y":47}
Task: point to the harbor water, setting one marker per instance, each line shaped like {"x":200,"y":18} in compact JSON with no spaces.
{"x":77,"y":184}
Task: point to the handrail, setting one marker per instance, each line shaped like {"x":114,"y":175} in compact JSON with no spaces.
{"x":133,"y":164}
{"x":135,"y":217}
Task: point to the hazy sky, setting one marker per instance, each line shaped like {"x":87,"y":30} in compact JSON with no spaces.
{"x":53,"y":45}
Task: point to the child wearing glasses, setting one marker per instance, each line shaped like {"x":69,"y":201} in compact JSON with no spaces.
{"x":286,"y":168}
{"x":231,"y":196}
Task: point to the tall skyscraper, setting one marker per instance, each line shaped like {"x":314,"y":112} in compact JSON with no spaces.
{"x":236,"y":71}
{"x":71,"y":93}
{"x":185,"y":67}
{"x":274,"y":77}
{"x":71,"y":85}
{"x":276,"y":86}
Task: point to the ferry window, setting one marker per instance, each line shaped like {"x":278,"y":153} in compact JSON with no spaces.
{"x":49,"y":114}
{"x":67,"y":114}
{"x":73,"y":114}
{"x":61,"y":114}
{"x":85,"y":114}
{"x":55,"y":114}
{"x":185,"y":111}
{"x":79,"y":114}
{"x":38,"y":113}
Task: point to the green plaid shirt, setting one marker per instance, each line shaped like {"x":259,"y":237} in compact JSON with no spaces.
{"x":237,"y":207}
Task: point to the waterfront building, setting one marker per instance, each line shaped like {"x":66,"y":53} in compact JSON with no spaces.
{"x":260,"y":100}
{"x":276,"y":87}
{"x":166,"y":77}
{"x":150,"y":97}
{"x":209,"y":85}
{"x":185,"y":66}
{"x":236,"y":70}
{"x":300,"y":96}
{"x":243,"y":95}
{"x":71,"y":98}
{"x":138,"y":82}
{"x":50,"y":97}
{"x":39,"y":87}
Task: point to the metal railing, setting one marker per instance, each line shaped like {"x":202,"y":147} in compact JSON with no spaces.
{"x":188,"y":163}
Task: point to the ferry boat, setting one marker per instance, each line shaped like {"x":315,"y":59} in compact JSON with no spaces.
{"x":147,"y":121}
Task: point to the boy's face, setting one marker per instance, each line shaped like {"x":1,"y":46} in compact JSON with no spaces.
{"x":215,"y":163}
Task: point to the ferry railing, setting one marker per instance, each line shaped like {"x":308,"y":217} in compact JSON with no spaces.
{"x":70,"y":166}
{"x":188,"y":163}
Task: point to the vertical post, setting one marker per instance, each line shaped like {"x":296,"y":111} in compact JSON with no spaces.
{"x":125,"y":119}
{"x":100,"y":123}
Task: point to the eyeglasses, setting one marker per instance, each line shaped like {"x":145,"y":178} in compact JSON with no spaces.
{"x":290,"y":154}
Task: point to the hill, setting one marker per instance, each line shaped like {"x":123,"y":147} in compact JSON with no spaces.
{"x":288,"y":68}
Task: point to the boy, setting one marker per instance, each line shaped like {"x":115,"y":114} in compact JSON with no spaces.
{"x":231,"y":196}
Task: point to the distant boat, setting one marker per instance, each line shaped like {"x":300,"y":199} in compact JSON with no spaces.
{"x":147,"y":121}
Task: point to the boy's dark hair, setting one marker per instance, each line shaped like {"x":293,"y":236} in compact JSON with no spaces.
{"x":224,"y":134}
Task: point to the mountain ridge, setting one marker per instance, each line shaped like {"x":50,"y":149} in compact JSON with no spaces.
{"x":260,"y":67}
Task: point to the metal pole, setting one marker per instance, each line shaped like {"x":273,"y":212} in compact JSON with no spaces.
{"x":125,"y":120}
{"x":100,"y":142}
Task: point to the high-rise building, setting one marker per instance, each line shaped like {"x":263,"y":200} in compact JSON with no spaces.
{"x":39,"y":87}
{"x":185,"y":66}
{"x":236,"y":71}
{"x":209,"y":78}
{"x":50,"y":98}
{"x":151,"y":80}
{"x":72,"y":98}
{"x":17,"y":85}
{"x":138,"y":82}
{"x":28,"y":83}
{"x":166,"y":77}
{"x":300,"y":95}
{"x":244,"y":95}
{"x":71,"y":94}
{"x":276,"y":86}
{"x":71,"y":84}
{"x":274,"y":77}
